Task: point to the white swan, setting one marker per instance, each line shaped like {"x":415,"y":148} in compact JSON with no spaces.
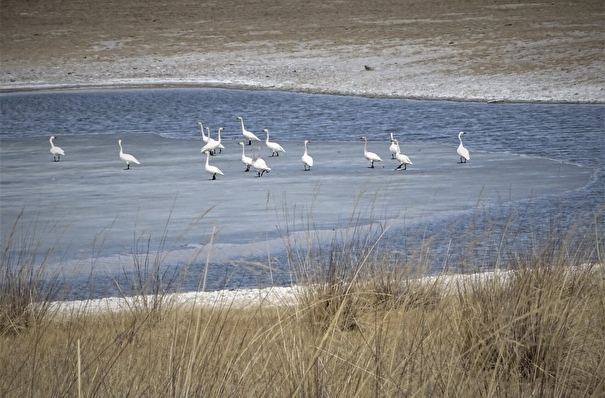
{"x":220,"y":146}
{"x":207,"y":138}
{"x":259,"y":165}
{"x":274,"y":146}
{"x":246,"y":160}
{"x":306,"y":159}
{"x":212,"y":170}
{"x":371,"y":156}
{"x":212,"y":145}
{"x":403,"y":159}
{"x":394,"y":148}
{"x":462,"y":151}
{"x":247,"y":134}
{"x":127,"y":157}
{"x":55,"y":150}
{"x":204,"y":137}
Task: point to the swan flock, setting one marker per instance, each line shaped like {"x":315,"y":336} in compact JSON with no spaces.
{"x":259,"y":164}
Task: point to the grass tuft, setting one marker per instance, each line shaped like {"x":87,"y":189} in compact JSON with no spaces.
{"x":27,"y":286}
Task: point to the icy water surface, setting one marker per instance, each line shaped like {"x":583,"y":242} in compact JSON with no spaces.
{"x":534,"y":169}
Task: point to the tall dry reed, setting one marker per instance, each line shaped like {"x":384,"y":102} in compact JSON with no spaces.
{"x":365,"y":325}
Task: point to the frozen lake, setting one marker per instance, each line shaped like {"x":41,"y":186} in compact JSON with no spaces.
{"x":93,"y":214}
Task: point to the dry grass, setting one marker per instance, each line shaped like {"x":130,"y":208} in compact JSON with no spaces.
{"x":366,"y":326}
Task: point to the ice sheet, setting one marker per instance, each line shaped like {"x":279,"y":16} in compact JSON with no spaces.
{"x":88,"y":206}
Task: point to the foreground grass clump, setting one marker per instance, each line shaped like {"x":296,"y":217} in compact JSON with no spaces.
{"x":25,"y":279}
{"x":536,"y":330}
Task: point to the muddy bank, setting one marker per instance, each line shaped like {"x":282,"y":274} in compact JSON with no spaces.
{"x":494,"y":51}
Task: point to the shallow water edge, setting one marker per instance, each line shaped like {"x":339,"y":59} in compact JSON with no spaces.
{"x":251,"y":87}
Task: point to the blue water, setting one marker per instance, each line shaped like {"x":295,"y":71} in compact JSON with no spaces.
{"x":569,"y":133}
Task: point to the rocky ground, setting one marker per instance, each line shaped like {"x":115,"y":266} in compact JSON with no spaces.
{"x":500,"y":50}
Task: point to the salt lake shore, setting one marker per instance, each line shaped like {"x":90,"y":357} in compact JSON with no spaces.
{"x":467,"y":51}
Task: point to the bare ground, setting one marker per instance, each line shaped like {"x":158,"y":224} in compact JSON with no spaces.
{"x":477,"y":50}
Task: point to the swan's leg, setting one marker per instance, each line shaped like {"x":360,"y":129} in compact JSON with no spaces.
{"x":127,"y":166}
{"x":247,"y":168}
{"x":399,"y":167}
{"x":249,"y":142}
{"x":214,"y":176}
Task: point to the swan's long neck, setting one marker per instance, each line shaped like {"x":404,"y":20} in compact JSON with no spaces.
{"x":207,"y":157}
{"x":242,"y":120}
{"x":119,"y":143}
{"x":267,"y":135}
{"x":51,"y":142}
{"x":460,"y":138}
{"x":202,"y":128}
{"x":305,"y":148}
{"x":243,"y":151}
{"x":365,"y":145}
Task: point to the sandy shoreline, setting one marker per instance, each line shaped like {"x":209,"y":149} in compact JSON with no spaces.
{"x":390,"y":82}
{"x":170,"y":84}
{"x":276,"y":296}
{"x":471,"y":51}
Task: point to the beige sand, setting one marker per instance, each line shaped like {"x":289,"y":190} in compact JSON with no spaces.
{"x":477,"y":50}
